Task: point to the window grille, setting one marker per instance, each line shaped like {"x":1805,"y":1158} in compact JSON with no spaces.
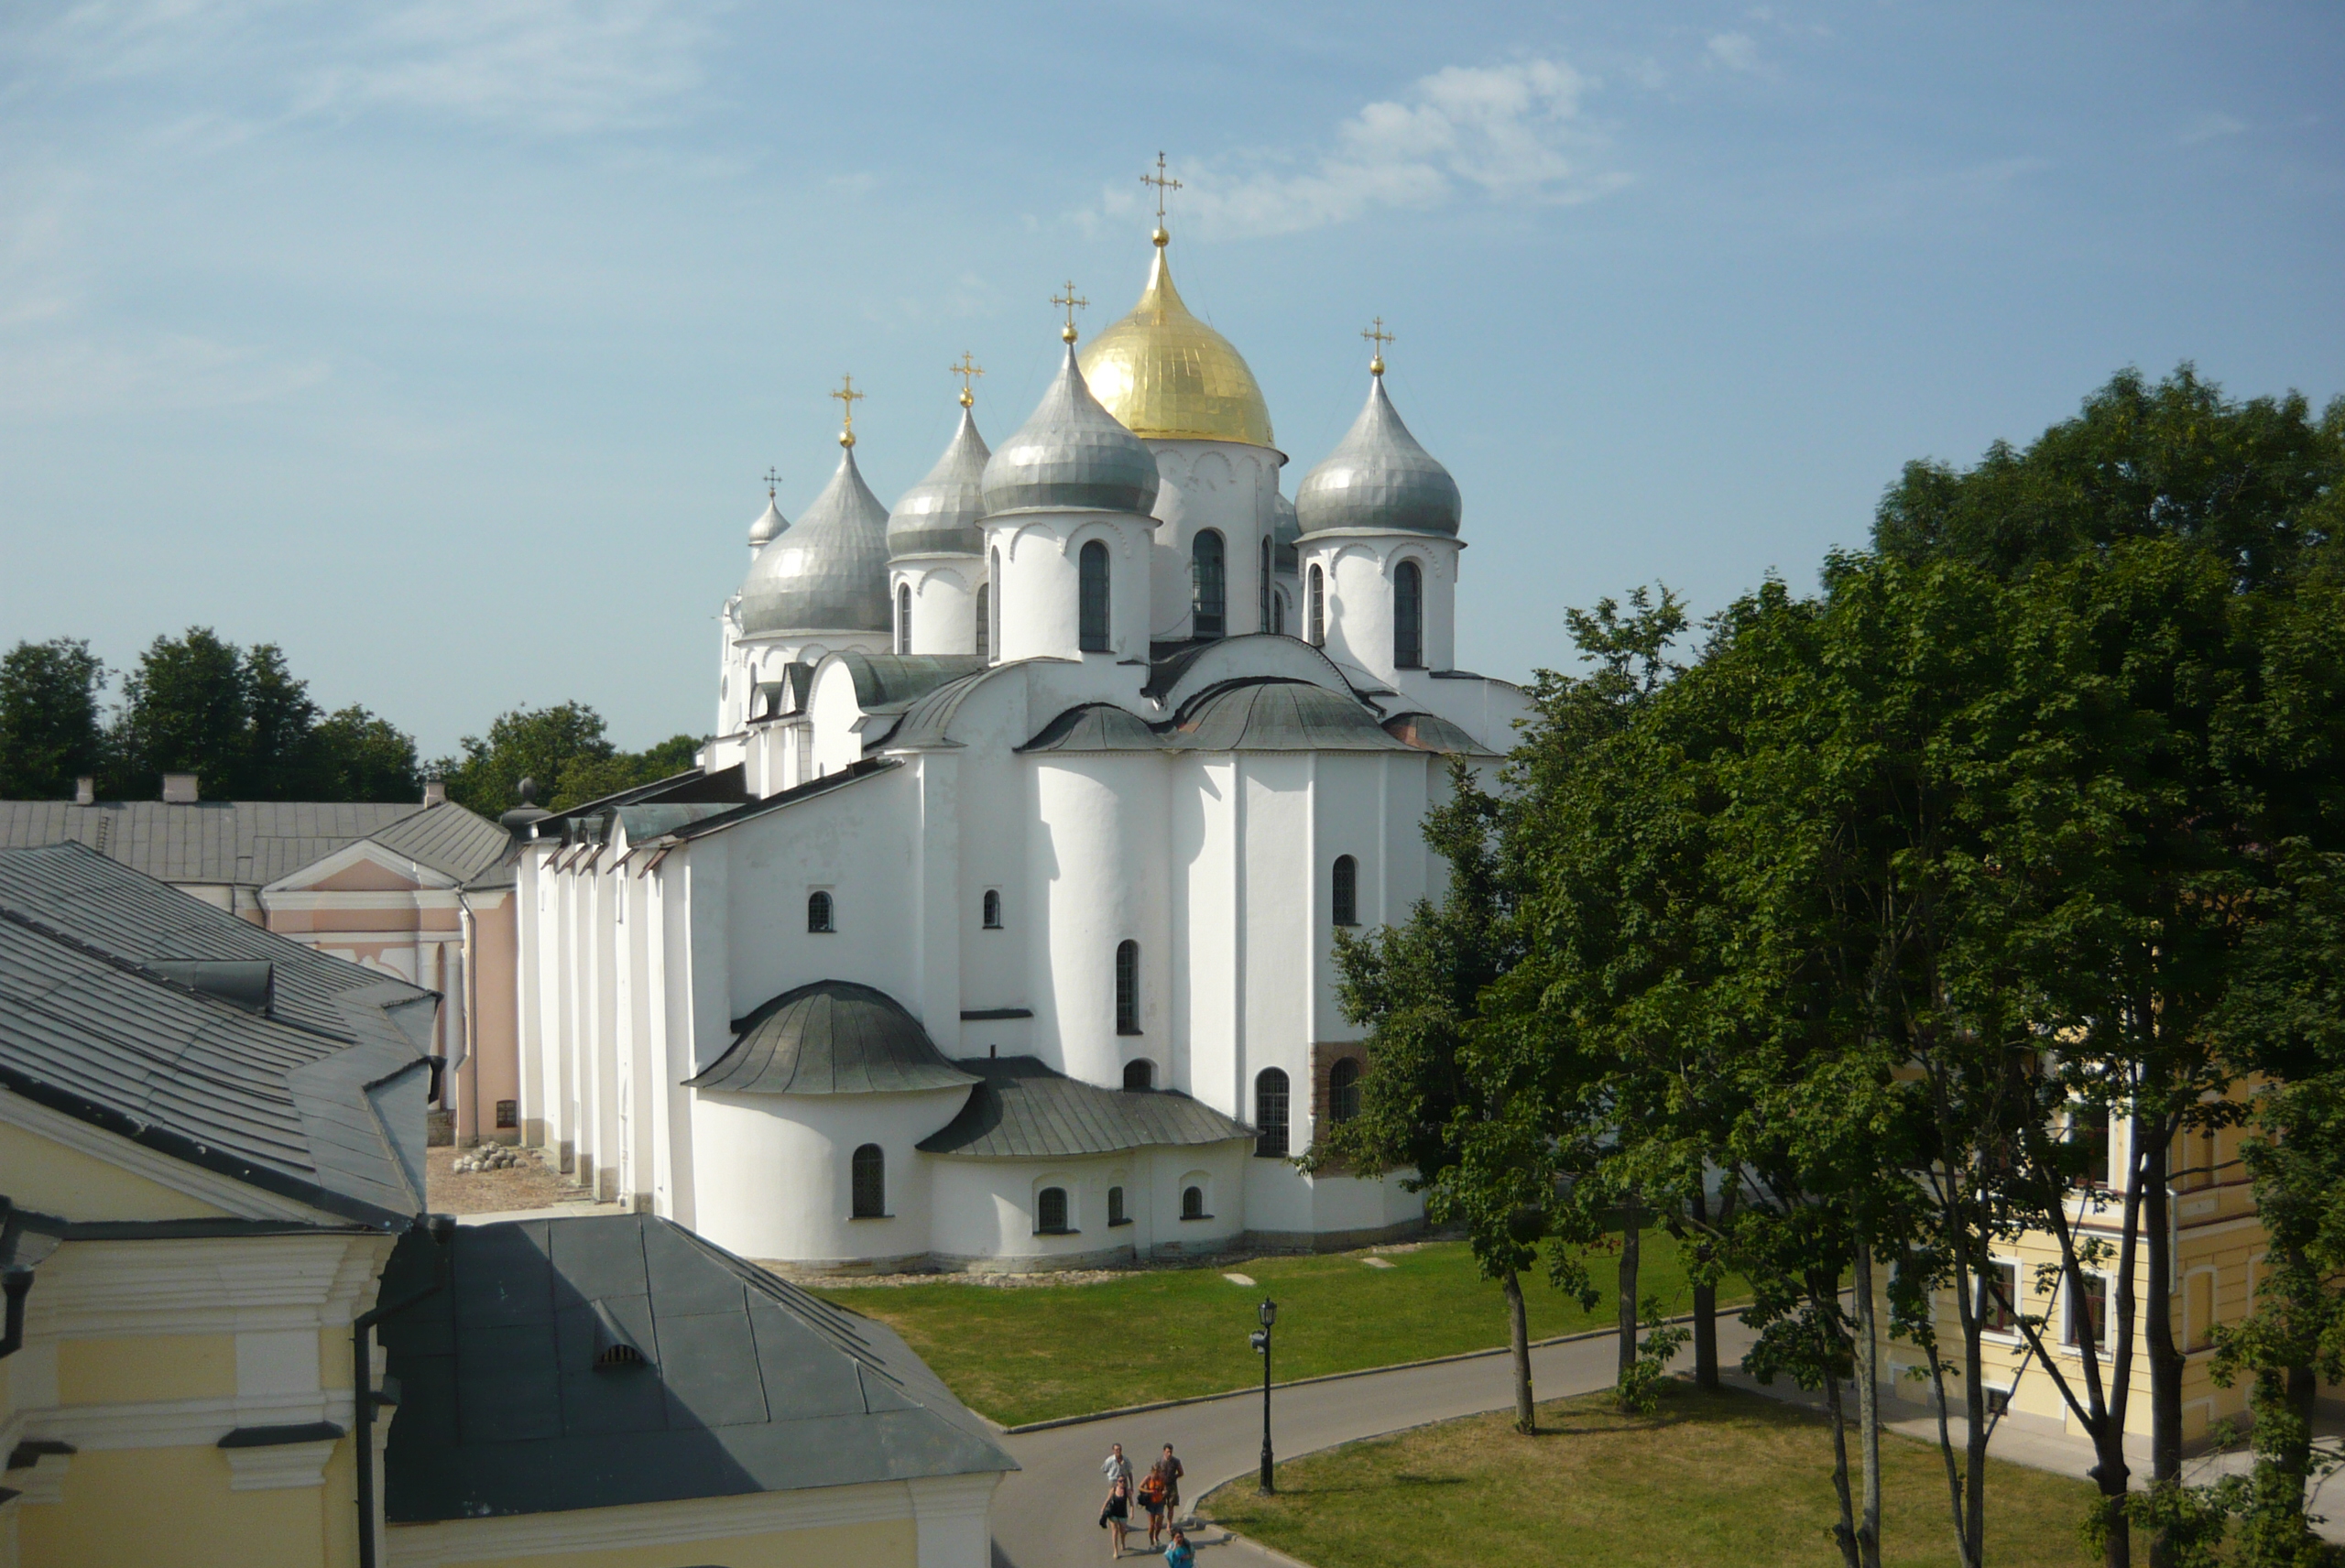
{"x":870,"y":1170}
{"x":992,"y":908}
{"x":1263,"y":586}
{"x":903,"y":617}
{"x":1193,"y":1203}
{"x":1315,"y":610}
{"x":1092,"y":565}
{"x":1270,"y":1113}
{"x":1208,"y":586}
{"x":1408,"y":617}
{"x":1050,"y":1211}
{"x":1345,"y":890}
{"x":818,"y":913}
{"x":985,"y":620}
{"x":1127,"y":988}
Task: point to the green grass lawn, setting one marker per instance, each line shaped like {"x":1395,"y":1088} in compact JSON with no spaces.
{"x":1036,"y":1353}
{"x":1720,"y":1478}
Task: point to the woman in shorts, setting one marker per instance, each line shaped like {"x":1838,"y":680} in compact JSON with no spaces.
{"x":1117,"y":1515}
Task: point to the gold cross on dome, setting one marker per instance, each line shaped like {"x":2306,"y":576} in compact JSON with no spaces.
{"x":966,"y":370}
{"x":1073,"y":304}
{"x":1379,"y":337}
{"x":849,"y":397}
{"x":773,"y":479}
{"x":1163,"y":185}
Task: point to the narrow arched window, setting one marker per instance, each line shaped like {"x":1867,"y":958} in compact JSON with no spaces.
{"x":1408,"y":617}
{"x":1345,"y":891}
{"x":1140,"y":1074}
{"x":1314,"y":609}
{"x":1193,"y":1203}
{"x":1115,"y":1214}
{"x":1050,"y":1211}
{"x":903,"y":617}
{"x":1270,"y":1113}
{"x":1264,"y":588}
{"x":1208,"y":586}
{"x":870,"y":1170}
{"x":985,"y":620}
{"x":1343,"y":1090}
{"x":818,"y":913}
{"x":993,"y":589}
{"x":992,"y":908}
{"x":1278,"y":614}
{"x":1092,"y":634}
{"x":1127,"y":988}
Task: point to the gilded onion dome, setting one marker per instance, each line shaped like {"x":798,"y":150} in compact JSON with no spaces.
{"x":829,"y":572}
{"x":939,"y":515}
{"x":1379,"y":477}
{"x":1169,"y":376}
{"x":1070,"y":453}
{"x":770,"y":523}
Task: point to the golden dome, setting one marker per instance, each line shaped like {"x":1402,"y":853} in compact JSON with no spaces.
{"x":1169,"y":376}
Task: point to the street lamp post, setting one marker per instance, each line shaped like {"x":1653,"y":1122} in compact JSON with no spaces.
{"x":1268,"y":1313}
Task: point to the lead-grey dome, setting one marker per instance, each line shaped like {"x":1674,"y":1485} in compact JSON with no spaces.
{"x":1285,"y":528}
{"x":768,"y":526}
{"x":829,"y":572}
{"x":1070,"y":453}
{"x":939,"y":515}
{"x":1379,"y":477}
{"x":833,"y":1037}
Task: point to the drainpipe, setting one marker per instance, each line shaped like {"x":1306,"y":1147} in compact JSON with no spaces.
{"x":362,"y":1377}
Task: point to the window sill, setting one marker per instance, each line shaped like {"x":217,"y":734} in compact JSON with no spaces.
{"x":1061,"y":1231}
{"x":853,"y":1218}
{"x":1187,"y":1218}
{"x":1125,"y":1221}
{"x":1268,"y":1154}
{"x":1123,"y":1033}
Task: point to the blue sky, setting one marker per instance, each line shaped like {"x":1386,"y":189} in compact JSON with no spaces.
{"x":445,"y":341}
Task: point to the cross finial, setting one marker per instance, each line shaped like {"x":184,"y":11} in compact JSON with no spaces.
{"x":968,"y":370}
{"x":1163,"y":184}
{"x":849,"y":397}
{"x":1073,"y":304}
{"x":1379,"y":337}
{"x":772,"y":478}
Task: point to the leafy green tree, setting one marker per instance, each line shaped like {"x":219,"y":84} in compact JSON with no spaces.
{"x":50,"y":732}
{"x":524,"y":743}
{"x":187,"y":708}
{"x":587,"y":778}
{"x":356,"y":755}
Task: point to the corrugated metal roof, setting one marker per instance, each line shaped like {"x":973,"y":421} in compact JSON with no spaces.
{"x":833,"y":1037}
{"x":245,"y":842}
{"x":448,"y":838}
{"x":321,"y":1098}
{"x":510,"y":1403}
{"x":1096,"y":726}
{"x":1024,"y":1110}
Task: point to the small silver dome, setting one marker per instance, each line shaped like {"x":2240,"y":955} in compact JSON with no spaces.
{"x":1285,"y":528}
{"x":829,"y":572}
{"x":939,"y":515}
{"x":1379,"y":477}
{"x":1070,"y":453}
{"x":769,"y":522}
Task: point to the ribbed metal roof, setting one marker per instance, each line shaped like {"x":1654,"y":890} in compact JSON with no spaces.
{"x":1278,"y":715}
{"x":745,"y":1384}
{"x":939,"y":515}
{"x":893,"y":681}
{"x":1070,"y":453}
{"x":1096,"y":726}
{"x":1379,"y":477}
{"x":1023,"y":1110}
{"x":450,"y":839}
{"x":103,"y":1017}
{"x":216,"y":843}
{"x":833,"y":1037}
{"x":829,"y":572}
{"x":1431,"y":731}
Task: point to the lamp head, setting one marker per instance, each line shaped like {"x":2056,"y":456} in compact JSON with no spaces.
{"x":1269,"y":1313}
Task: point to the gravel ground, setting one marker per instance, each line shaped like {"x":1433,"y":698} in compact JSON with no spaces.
{"x":527,"y":1186}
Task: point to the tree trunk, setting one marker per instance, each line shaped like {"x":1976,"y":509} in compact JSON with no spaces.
{"x":1518,"y":1338}
{"x":1632,"y":1224}
{"x":1705,"y":1305}
{"x":2157,"y":1323}
{"x":1843,"y":1528}
{"x":1867,"y":1370}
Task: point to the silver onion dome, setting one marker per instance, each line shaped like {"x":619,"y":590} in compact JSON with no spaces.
{"x":829,"y":572}
{"x":939,"y":515}
{"x":770,"y":523}
{"x":1379,"y":477}
{"x":1072,"y":454}
{"x":1285,"y":528}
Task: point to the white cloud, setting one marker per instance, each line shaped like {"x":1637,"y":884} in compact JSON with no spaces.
{"x":1735,"y":51}
{"x":1514,"y":133}
{"x":2207,"y":128}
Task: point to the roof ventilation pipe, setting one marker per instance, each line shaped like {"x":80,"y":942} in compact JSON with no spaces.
{"x":179,"y":790}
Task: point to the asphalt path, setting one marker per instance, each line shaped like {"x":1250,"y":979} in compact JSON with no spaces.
{"x":1046,"y":1514}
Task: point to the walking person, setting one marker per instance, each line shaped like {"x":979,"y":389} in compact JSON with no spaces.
{"x":1170,"y":1470}
{"x":1116,"y":1464}
{"x":1151,"y":1497}
{"x":1180,"y":1554}
{"x":1117,"y":1513}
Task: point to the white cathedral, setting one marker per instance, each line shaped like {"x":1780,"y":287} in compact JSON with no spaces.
{"x":995,"y":928}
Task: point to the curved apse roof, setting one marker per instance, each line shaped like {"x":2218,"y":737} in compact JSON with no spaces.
{"x":833,"y":1037}
{"x":1279,"y":715}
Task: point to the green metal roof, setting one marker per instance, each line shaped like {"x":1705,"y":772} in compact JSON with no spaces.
{"x":1096,"y":726}
{"x":833,"y":1037}
{"x":1024,"y":1110}
{"x":1278,"y":715}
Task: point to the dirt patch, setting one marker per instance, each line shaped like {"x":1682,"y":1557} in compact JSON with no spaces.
{"x":529,"y":1185}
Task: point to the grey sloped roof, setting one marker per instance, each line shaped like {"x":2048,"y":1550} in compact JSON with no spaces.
{"x":1023,"y":1110}
{"x":450,"y":839}
{"x":893,"y":681}
{"x":320,"y":1097}
{"x":246,"y":842}
{"x":1096,"y":726}
{"x":1278,"y":715}
{"x":746,"y":1384}
{"x":833,"y":1037}
{"x":1431,"y":731}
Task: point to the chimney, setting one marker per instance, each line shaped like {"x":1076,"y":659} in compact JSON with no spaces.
{"x":85,"y":791}
{"x":435,"y":792}
{"x":178,"y":789}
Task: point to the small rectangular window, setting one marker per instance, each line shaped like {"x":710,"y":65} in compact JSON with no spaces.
{"x":509,"y":1112}
{"x":2088,"y":1314}
{"x":1998,"y":1299}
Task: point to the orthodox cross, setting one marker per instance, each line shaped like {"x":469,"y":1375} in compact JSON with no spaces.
{"x":773,"y":479}
{"x":1073,"y":304}
{"x":1163,"y":185}
{"x":1379,"y":337}
{"x":847,"y":397}
{"x":968,"y":369}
